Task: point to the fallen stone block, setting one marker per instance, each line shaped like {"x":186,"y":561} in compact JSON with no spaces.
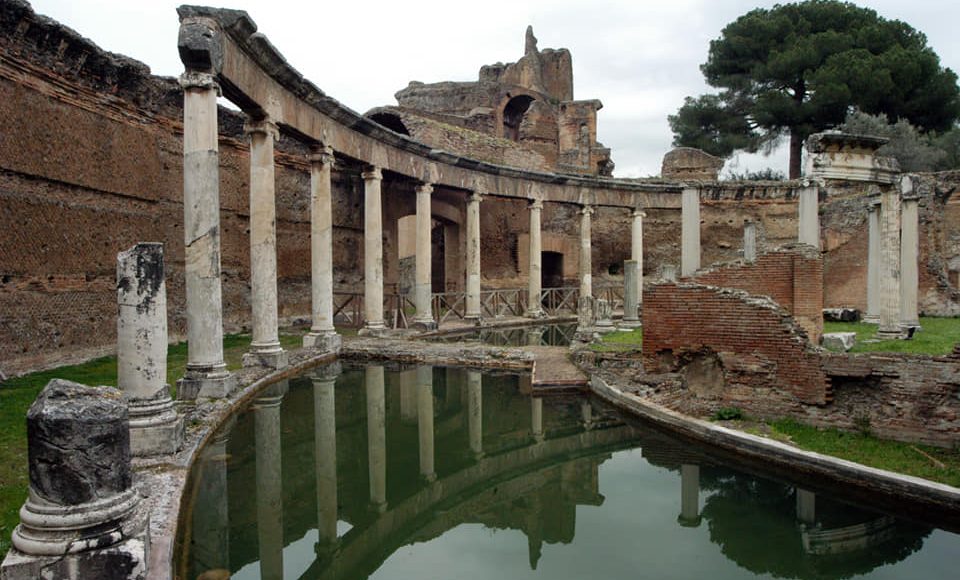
{"x":838,"y":341}
{"x":841,"y":315}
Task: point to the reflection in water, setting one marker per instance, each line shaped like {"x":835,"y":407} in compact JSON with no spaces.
{"x":390,"y":473}
{"x":545,"y":335}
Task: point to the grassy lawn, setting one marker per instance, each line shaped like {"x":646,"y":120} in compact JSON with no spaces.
{"x":620,"y":341}
{"x":936,"y":337}
{"x":17,"y":394}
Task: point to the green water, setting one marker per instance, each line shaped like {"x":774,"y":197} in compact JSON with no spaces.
{"x":437,"y":473}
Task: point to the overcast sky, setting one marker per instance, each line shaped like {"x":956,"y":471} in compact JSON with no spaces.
{"x":640,"y":58}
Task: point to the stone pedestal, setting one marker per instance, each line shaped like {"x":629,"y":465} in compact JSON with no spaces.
{"x":473,"y":258}
{"x":749,"y":241}
{"x":206,"y":374}
{"x":372,"y":250}
{"x":631,"y":303}
{"x":155,"y":427}
{"x":322,"y":336}
{"x":80,"y":520}
{"x":909,"y":255}
{"x":423,"y":286}
{"x":534,"y":281}
{"x":873,"y":262}
{"x":809,"y":217}
{"x":603,"y":315}
{"x":689,"y":232}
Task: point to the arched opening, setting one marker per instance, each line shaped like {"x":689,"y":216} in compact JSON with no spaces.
{"x":391,"y":121}
{"x":513,"y":115}
{"x":551,"y":269}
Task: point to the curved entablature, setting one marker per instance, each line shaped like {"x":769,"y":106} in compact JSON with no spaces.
{"x":254,"y":75}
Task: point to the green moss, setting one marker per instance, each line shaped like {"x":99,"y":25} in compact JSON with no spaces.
{"x":936,"y":337}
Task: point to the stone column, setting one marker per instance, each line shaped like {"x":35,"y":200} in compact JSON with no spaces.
{"x":806,"y":506}
{"x":265,"y":346}
{"x":586,"y":263}
{"x":475,"y":412}
{"x":689,"y":496}
{"x":473,"y":257}
{"x":376,"y":437}
{"x":206,"y":374}
{"x":82,"y":515}
{"x":155,"y":427}
{"x":325,"y":445}
{"x":425,"y":421}
{"x":536,"y":419}
{"x":909,"y":254}
{"x":373,"y":250}
{"x":889,"y":265}
{"x":631,"y":304}
{"x":636,"y":250}
{"x":873,"y":262}
{"x":424,"y":277}
{"x":809,"y":216}
{"x":266,"y":419}
{"x":690,"y":232}
{"x":749,"y":241}
{"x":534,"y":306}
{"x":322,"y":335}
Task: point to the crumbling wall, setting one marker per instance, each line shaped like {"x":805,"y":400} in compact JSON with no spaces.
{"x":764,"y":358}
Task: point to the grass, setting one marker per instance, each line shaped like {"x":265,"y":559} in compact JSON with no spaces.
{"x":861,"y":447}
{"x":619,"y":341}
{"x":936,"y":337}
{"x":17,"y":394}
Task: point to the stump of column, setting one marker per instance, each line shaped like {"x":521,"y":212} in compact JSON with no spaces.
{"x":873,"y":262}
{"x":749,"y":241}
{"x":322,"y":336}
{"x":604,"y":316}
{"x":585,"y":320}
{"x":82,"y":518}
{"x":631,"y":302}
{"x":155,"y":427}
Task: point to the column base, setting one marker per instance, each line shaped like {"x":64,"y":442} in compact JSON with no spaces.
{"x":894,"y":333}
{"x":376,"y":330}
{"x":424,"y":324}
{"x":585,"y":334}
{"x":535,"y":314}
{"x":476,"y":319}
{"x":324,"y":340}
{"x":871,"y":319}
{"x":155,"y":427}
{"x":206,"y":382}
{"x":268,"y":355}
{"x":604,"y":326}
{"x":689,"y":522}
{"x":428,"y":477}
{"x":378,"y":507}
{"x":630,"y":324}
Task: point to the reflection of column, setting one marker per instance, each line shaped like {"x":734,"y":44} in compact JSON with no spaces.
{"x":806,"y":506}
{"x":210,"y":546}
{"x":266,"y":416}
{"x":533,"y":335}
{"x":322,"y":333}
{"x":206,"y":374}
{"x":909,"y":254}
{"x":473,"y":257}
{"x":536,"y":418}
{"x":534,"y":282}
{"x":636,"y":249}
{"x":376,"y":437}
{"x":749,"y":241}
{"x":373,"y":249}
{"x":423,"y":275}
{"x":325,"y":446}
{"x":873,"y":262}
{"x":889,"y":264}
{"x":689,"y":496}
{"x":425,"y":421}
{"x":690,"y":232}
{"x":809,"y":218}
{"x":475,"y":412}
{"x":586,"y":262}
{"x":408,"y":396}
{"x":586,"y":414}
{"x":265,"y":347}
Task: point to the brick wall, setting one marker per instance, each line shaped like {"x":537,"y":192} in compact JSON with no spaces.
{"x":792,"y":276}
{"x":757,"y":344}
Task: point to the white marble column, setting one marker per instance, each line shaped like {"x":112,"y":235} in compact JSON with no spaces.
{"x":689,"y":495}
{"x":473,"y":257}
{"x":206,"y":374}
{"x":631,"y":304}
{"x":376,"y":437}
{"x":889,"y":264}
{"x":909,"y":254}
{"x":808,"y":208}
{"x":690,"y":232}
{"x":475,"y":412}
{"x":749,"y":241}
{"x":322,"y":335}
{"x":536,"y":419}
{"x":636,"y":249}
{"x":873,"y":262}
{"x":265,"y":347}
{"x":586,"y":253}
{"x":425,"y":421}
{"x":373,"y":250}
{"x":423,"y":285}
{"x":325,"y":451}
{"x":155,"y":427}
{"x":267,"y":429}
{"x":534,"y":306}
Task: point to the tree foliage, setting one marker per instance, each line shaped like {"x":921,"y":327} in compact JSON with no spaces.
{"x":796,"y":69}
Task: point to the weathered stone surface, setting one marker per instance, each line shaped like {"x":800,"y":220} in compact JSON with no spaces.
{"x":836,"y":155}
{"x":839,"y":341}
{"x":689,"y":163}
{"x":841,"y":314}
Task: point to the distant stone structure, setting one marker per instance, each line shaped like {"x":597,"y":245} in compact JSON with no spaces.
{"x":690,"y":163}
{"x":836,"y":155}
{"x":527,"y":106}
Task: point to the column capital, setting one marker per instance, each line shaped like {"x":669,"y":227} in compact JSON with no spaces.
{"x":536,"y":204}
{"x":192,"y":79}
{"x":587,"y":210}
{"x":372,"y":173}
{"x":263,"y":125}
{"x":322,"y":155}
{"x":638,"y":213}
{"x":475,"y":197}
{"x":424,"y":189}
